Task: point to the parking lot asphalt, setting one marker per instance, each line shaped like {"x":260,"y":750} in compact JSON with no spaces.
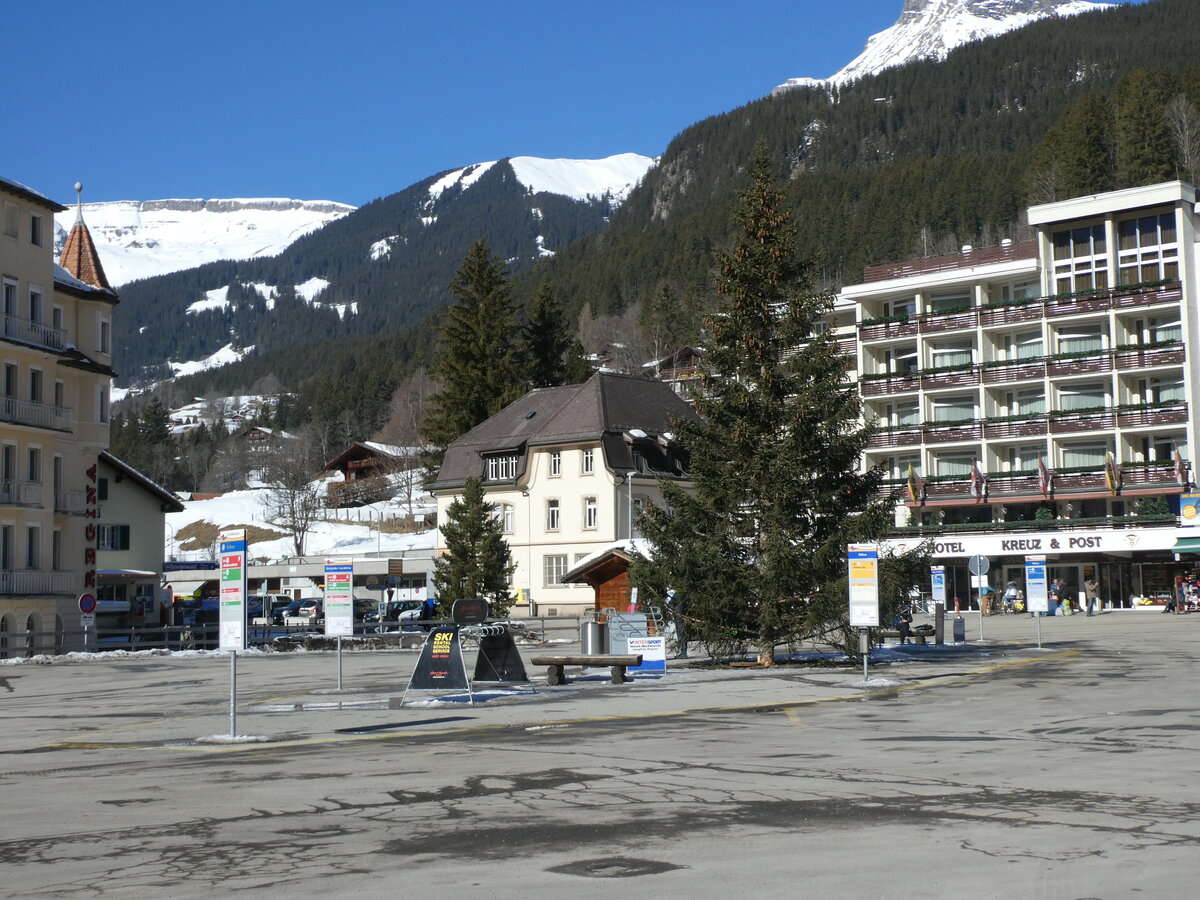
{"x":993,"y":769}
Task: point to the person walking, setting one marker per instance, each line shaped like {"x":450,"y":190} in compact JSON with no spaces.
{"x":1091,"y":594}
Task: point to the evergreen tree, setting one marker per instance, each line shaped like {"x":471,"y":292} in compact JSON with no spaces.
{"x":1085,"y":148}
{"x":759,"y":547}
{"x":1145,"y":153}
{"x":477,"y":561}
{"x":545,"y":340}
{"x":478,"y":369}
{"x":578,"y":369}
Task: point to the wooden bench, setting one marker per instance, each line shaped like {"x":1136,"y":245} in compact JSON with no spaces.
{"x":917,"y":637}
{"x":616,"y":661}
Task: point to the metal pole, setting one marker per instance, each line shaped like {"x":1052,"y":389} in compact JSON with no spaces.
{"x":864,"y":647}
{"x":1038,"y":616}
{"x":232,"y":694}
{"x":980,"y":601}
{"x":339,"y":662}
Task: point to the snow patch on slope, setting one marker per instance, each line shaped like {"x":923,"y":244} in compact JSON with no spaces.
{"x":222,"y":357}
{"x":141,"y":239}
{"x":580,"y":179}
{"x":930,"y":29}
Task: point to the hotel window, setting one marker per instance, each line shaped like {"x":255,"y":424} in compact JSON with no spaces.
{"x":554,"y":567}
{"x":897,"y":466}
{"x":1161,"y":448}
{"x":954,"y":464}
{"x":10,"y":307}
{"x":56,"y":557}
{"x":1164,"y":328}
{"x":906,"y":306}
{"x":1148,"y":249}
{"x":591,"y":513}
{"x":1027,"y":402}
{"x":552,"y":515}
{"x":949,"y":302}
{"x":60,"y":395}
{"x":35,"y":385}
{"x":555,"y":463}
{"x":12,"y":214}
{"x":1024,"y":345}
{"x":105,"y":327}
{"x":502,"y":468}
{"x":10,"y":380}
{"x":951,"y":353}
{"x":954,"y":409}
{"x":1082,"y":338}
{"x":102,"y":407}
{"x":901,"y":360}
{"x":589,"y":461}
{"x":35,"y":229}
{"x":1080,"y":259}
{"x":34,"y":465}
{"x":1165,"y":389}
{"x":1091,"y":395}
{"x":904,"y":413}
{"x":35,"y":305}
{"x":1020,"y":290}
{"x":56,"y":318}
{"x":1084,"y":456}
{"x":1025,"y":459}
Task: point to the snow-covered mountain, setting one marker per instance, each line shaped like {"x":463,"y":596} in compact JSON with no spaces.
{"x":153,"y":237}
{"x":929,"y":29}
{"x":611,"y":178}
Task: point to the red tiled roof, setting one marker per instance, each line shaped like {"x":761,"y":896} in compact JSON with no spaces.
{"x":79,"y":257}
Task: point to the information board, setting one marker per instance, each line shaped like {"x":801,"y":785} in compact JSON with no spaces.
{"x":232,"y":596}
{"x":863,"y":560}
{"x":1189,"y":510}
{"x":339,"y":598}
{"x":937,"y":579}
{"x":653,"y":650}
{"x":1037,"y":593}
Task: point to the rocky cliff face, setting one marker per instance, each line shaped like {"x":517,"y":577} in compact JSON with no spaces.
{"x":929,"y":29}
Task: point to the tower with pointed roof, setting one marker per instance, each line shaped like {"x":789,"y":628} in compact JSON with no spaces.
{"x":55,"y":389}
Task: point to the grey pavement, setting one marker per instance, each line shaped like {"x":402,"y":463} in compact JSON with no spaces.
{"x":994,"y":769}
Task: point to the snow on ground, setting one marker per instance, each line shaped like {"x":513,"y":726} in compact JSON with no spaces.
{"x":222,"y":357}
{"x":214,"y":299}
{"x":582,"y":179}
{"x":251,"y":507}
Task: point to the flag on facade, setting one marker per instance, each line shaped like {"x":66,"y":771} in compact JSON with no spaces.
{"x":978,"y":482}
{"x":1044,"y":478}
{"x":916,"y":485}
{"x":1181,"y":468}
{"x":1112,"y":473}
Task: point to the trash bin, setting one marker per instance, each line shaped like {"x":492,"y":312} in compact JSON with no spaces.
{"x":960,"y":630}
{"x":593,"y":638}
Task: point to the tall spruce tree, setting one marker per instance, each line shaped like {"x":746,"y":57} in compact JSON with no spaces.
{"x":545,"y":340}
{"x":758,"y":548}
{"x":477,"y":561}
{"x":478,"y":368}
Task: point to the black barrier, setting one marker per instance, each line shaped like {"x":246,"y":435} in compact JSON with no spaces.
{"x":498,"y":659}
{"x":440,"y":666}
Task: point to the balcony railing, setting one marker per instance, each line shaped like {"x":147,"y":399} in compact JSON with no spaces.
{"x":21,"y":493}
{"x":38,"y":582}
{"x":70,"y":503}
{"x":32,"y":332}
{"x":1084,"y":420}
{"x":1131,"y":417}
{"x":39,"y":415}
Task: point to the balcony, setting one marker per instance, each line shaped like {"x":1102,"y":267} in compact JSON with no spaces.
{"x":1008,"y":371}
{"x":38,"y":582}
{"x":30,"y":332}
{"x":1070,"y":364}
{"x":1166,"y":414}
{"x":932,"y":323}
{"x":37,"y":415}
{"x":1015,"y":427}
{"x":1010,"y":313}
{"x":1151,"y":474}
{"x":1082,"y":420}
{"x":898,"y":436}
{"x":966,"y":375}
{"x":1017,"y":484}
{"x":21,"y":493}
{"x":1148,"y":357}
{"x":947,"y":432}
{"x":69,"y":503}
{"x":892,"y":384}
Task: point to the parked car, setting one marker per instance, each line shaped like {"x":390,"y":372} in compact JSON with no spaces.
{"x":312,"y":608}
{"x":272,"y":602}
{"x":291,"y":611}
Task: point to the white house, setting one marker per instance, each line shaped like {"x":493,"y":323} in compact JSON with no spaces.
{"x":567,"y":469}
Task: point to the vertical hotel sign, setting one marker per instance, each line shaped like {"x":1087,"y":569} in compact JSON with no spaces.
{"x":339,"y":598}
{"x":863,"y":560}
{"x":233,"y":589}
{"x":91,"y":512}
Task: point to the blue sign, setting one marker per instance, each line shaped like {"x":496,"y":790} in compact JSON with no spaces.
{"x":1037,"y":594}
{"x":937,"y":577}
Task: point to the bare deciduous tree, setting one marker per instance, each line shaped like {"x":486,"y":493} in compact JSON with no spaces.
{"x":295,"y":497}
{"x":1184,"y":123}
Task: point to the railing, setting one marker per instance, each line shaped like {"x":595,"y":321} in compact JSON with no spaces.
{"x":1176,"y":414}
{"x":33,"y":332}
{"x":1098,"y":420}
{"x":39,"y":415}
{"x":38,"y":582}
{"x":21,"y":493}
{"x":1091,"y":523}
{"x":71,"y":503}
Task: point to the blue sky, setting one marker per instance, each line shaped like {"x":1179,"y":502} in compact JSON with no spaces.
{"x":352,"y":99}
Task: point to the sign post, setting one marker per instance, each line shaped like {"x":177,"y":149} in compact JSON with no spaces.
{"x":978,"y":566}
{"x":87,"y":618}
{"x":1037,"y":594}
{"x":232,"y":622}
{"x":339,"y":605}
{"x":863,"y":561}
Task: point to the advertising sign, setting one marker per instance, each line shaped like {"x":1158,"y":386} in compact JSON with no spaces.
{"x":440,"y":666}
{"x":339,"y":598}
{"x":1037,"y":593}
{"x":863,"y":560}
{"x":937,"y":577}
{"x":232,"y":596}
{"x":654,"y":653}
{"x":1189,"y":510}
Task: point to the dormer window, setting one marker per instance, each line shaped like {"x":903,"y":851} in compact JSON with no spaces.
{"x":502,"y":467}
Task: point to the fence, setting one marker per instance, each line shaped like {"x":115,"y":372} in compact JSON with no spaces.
{"x":15,"y":644}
